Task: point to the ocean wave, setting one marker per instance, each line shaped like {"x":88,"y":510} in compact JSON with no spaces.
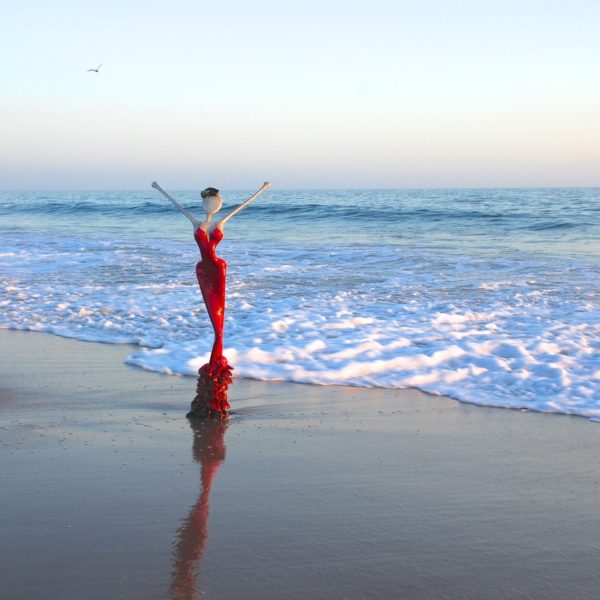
{"x":351,"y":206}
{"x":546,"y":225}
{"x":491,"y":330}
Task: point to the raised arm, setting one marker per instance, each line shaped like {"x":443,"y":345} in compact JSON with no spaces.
{"x":180,"y":208}
{"x":265,"y":186}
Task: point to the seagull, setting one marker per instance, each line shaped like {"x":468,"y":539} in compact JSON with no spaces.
{"x":95,"y":70}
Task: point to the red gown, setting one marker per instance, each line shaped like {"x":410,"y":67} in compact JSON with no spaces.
{"x":215,"y":376}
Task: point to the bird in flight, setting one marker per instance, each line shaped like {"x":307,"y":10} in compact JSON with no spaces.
{"x":95,"y":70}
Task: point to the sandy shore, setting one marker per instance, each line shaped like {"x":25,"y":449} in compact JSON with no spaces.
{"x":308,"y":492}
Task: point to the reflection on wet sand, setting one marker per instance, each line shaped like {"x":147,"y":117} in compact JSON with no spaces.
{"x":209,"y":451}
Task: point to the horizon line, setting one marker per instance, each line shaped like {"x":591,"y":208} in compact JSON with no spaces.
{"x":318,"y":189}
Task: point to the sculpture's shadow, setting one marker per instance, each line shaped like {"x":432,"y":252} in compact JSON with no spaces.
{"x":188,"y":547}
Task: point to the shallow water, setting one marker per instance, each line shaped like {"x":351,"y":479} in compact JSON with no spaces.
{"x":489,"y":296}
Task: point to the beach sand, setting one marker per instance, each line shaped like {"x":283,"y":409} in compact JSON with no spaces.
{"x":107,"y":491}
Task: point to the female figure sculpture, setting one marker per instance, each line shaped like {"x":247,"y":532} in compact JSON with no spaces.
{"x":214,"y":376}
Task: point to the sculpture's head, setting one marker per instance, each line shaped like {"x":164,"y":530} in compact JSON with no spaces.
{"x":211,"y":201}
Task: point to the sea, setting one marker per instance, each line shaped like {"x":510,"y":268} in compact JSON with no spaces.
{"x":489,"y":296}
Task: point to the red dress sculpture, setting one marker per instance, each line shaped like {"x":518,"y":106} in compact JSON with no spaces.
{"x":215,"y":376}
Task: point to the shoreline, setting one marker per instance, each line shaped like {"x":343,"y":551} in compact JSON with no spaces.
{"x":443,"y":397}
{"x":307,"y":491}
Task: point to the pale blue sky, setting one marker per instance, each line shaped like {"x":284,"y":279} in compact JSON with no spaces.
{"x":307,"y":94}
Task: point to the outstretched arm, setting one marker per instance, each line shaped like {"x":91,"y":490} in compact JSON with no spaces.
{"x":180,"y":208}
{"x":265,"y":186}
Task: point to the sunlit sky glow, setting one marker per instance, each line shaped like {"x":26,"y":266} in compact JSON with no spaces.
{"x":308,"y":94}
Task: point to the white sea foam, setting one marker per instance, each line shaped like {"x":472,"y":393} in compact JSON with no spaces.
{"x":498,"y":331}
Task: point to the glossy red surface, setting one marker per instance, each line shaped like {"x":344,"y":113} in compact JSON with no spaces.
{"x":215,"y":376}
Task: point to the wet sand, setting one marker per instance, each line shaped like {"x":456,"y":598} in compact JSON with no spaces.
{"x":107,"y":491}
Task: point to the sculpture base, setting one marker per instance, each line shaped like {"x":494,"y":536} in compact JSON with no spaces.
{"x":210,"y":402}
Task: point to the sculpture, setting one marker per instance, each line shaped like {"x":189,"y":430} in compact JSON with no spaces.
{"x":215,"y":376}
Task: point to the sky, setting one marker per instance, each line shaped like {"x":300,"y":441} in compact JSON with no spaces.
{"x":311,"y":94}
